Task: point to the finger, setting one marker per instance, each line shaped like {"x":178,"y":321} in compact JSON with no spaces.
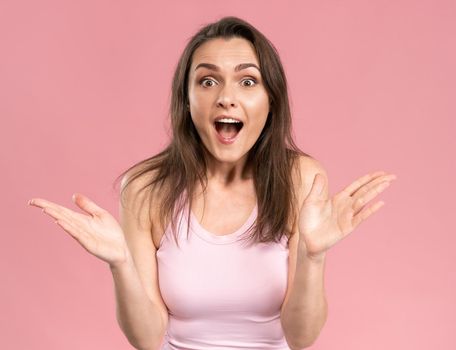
{"x":87,"y":205}
{"x":373,"y":183}
{"x":360,"y":199}
{"x":74,"y":231}
{"x":56,"y":214}
{"x":45,"y":204}
{"x":365,"y":213}
{"x":350,"y":189}
{"x":41,"y":203}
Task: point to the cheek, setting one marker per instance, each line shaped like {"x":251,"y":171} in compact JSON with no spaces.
{"x":257,"y":128}
{"x":258,"y":103}
{"x":258,"y":109}
{"x":194,"y":98}
{"x":197,"y":121}
{"x":199,"y":107}
{"x":201,"y":98}
{"x":258,"y":114}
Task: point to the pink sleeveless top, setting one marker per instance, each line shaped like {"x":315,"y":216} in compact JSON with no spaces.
{"x":222,"y":293}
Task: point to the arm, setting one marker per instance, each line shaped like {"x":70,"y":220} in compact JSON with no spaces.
{"x":304,"y":310}
{"x":305,"y":313}
{"x":141,"y":312}
{"x":323,"y":222}
{"x":130,"y":253}
{"x":139,"y":319}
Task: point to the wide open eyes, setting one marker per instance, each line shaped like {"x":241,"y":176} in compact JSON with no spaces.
{"x":207,"y":82}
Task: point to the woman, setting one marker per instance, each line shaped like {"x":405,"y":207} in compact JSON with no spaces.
{"x":231,"y":168}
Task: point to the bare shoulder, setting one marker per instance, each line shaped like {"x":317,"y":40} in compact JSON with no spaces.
{"x":142,"y":201}
{"x":135,"y":193}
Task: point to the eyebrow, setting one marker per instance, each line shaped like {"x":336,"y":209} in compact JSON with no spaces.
{"x":236,"y":69}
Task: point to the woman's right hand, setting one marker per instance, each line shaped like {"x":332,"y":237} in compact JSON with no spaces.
{"x":99,"y":232}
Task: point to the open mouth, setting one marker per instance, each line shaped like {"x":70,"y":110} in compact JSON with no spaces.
{"x":228,"y":130}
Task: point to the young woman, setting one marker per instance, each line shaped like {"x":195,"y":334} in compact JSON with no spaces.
{"x":184,"y":277}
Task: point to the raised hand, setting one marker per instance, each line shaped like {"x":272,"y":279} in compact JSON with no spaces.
{"x":323,"y":222}
{"x":98,"y":232}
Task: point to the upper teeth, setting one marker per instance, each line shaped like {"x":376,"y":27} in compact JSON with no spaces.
{"x":228,"y":120}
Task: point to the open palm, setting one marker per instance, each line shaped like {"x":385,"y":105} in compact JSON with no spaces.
{"x":98,"y":232}
{"x":323,"y":222}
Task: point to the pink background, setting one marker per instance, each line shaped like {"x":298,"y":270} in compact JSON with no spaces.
{"x":84,"y":88}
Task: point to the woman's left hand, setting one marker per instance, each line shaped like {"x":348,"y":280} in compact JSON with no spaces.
{"x":323,"y":222}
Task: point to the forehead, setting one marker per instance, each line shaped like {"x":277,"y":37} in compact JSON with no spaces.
{"x":225,"y":52}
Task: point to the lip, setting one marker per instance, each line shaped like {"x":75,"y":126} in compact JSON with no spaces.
{"x":224,"y":140}
{"x":221,"y":116}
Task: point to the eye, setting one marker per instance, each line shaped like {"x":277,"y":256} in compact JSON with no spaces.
{"x":201,"y":82}
{"x":252,"y":82}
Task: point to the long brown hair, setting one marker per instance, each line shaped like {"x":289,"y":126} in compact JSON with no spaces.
{"x":181,"y":164}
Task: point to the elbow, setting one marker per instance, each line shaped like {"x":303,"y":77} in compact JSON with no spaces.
{"x":307,"y":337}
{"x":145,"y":346}
{"x":304,"y":342}
{"x":149,"y":347}
{"x":138,"y":346}
{"x":153,"y":345}
{"x":301,"y":346}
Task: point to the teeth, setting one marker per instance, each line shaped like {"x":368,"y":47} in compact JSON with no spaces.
{"x":228,"y":120}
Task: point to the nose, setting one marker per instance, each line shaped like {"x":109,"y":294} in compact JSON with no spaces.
{"x":226,"y":98}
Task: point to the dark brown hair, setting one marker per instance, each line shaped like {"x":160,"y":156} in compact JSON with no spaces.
{"x":181,"y":164}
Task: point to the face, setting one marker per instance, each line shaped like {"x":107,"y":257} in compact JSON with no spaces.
{"x":224,"y":81}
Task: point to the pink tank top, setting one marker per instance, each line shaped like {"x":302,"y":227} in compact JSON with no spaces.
{"x":222,"y":293}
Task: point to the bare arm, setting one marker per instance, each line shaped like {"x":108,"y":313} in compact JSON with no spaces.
{"x":129,"y":250}
{"x":304,"y":310}
{"x":141,"y":312}
{"x":305,"y":313}
{"x":138,"y":317}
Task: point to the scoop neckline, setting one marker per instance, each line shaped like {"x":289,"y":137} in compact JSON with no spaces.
{"x":222,"y":239}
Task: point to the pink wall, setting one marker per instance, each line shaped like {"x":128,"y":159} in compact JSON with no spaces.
{"x":84,"y":89}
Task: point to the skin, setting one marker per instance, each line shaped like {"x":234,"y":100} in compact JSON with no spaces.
{"x":323,"y":221}
{"x":240,"y":94}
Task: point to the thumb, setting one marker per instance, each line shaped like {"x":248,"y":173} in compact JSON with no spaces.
{"x":317,"y":187}
{"x":87,"y":205}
